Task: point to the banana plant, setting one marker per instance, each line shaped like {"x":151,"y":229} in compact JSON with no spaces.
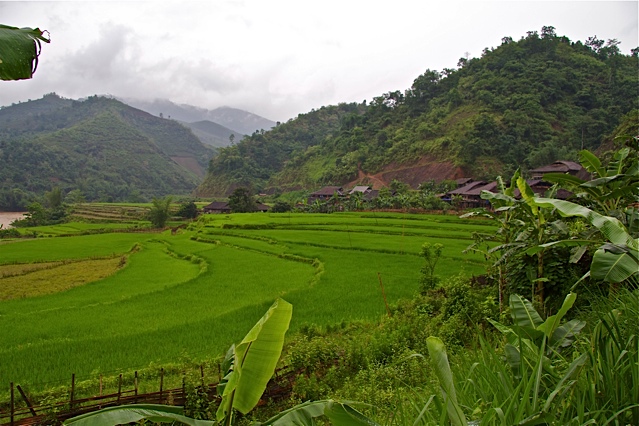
{"x":505,"y":213}
{"x":533,"y":344}
{"x":617,"y":257}
{"x":523,"y":224}
{"x":251,"y":364}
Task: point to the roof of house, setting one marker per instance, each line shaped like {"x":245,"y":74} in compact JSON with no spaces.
{"x":492,"y":186}
{"x":217,"y":205}
{"x":328,"y":191}
{"x":558,"y":167}
{"x":469,"y":186}
{"x":360,"y":188}
{"x":463,"y":181}
{"x":263,"y":207}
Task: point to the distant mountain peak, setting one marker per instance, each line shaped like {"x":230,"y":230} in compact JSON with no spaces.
{"x":238,"y":120}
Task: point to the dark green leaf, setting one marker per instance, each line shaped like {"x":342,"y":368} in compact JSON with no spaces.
{"x":19,"y":52}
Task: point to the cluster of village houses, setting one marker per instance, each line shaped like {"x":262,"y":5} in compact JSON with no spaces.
{"x":467,"y":194}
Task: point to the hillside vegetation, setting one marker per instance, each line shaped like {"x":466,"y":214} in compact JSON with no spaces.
{"x":106,"y":149}
{"x":525,"y":103}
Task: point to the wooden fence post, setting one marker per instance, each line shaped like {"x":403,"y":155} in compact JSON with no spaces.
{"x":379,"y":276}
{"x":135,"y":386}
{"x":12,"y":408}
{"x":24,"y":396}
{"x":161,"y":383}
{"x":120,"y":387}
{"x":72,"y":391}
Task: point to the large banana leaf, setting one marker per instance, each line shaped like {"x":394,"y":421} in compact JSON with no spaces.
{"x":134,"y":413}
{"x":552,"y":322}
{"x":254,"y":361}
{"x":610,"y":227}
{"x":528,"y":196}
{"x":565,"y":334}
{"x":614,"y":265}
{"x":438,"y":356}
{"x":591,"y":163}
{"x":19,"y":50}
{"x":523,"y":312}
{"x":339,"y":413}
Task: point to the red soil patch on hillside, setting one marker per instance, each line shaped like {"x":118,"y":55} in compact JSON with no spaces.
{"x":426,"y":168}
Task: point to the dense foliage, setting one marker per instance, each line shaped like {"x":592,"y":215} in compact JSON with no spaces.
{"x":256,"y":158}
{"x":524,"y":103}
{"x":99,"y":146}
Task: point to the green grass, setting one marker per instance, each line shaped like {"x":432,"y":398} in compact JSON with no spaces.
{"x":77,"y":228}
{"x":80,"y":247}
{"x":193,"y":294}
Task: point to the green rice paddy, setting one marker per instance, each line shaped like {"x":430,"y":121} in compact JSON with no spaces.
{"x":193,"y":294}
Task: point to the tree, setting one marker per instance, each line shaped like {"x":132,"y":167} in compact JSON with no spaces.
{"x":54,"y":198}
{"x":20,"y":50}
{"x":431,"y":254}
{"x":241,"y":201}
{"x":188,"y":210}
{"x":159,"y":213}
{"x":281,"y":207}
{"x":75,"y":197}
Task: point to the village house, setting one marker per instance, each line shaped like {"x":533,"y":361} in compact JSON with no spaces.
{"x":362,"y":189}
{"x":326,"y":194}
{"x":570,"y":167}
{"x":469,"y":193}
{"x":217,"y":207}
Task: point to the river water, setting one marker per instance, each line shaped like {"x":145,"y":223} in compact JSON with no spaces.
{"x":7,"y":217}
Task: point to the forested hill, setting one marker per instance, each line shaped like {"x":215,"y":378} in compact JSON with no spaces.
{"x":102,"y":147}
{"x":523,"y":104}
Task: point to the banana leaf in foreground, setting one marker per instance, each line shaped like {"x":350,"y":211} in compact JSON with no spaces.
{"x":134,"y":413}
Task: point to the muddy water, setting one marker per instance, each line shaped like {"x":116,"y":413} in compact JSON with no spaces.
{"x":7,"y":217}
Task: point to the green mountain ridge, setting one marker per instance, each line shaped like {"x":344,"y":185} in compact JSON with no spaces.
{"x":523,"y":104}
{"x":102,"y":147}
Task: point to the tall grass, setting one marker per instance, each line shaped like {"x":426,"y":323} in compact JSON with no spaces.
{"x":594,"y":381}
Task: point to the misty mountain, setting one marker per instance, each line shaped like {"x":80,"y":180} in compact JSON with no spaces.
{"x":213,"y":134}
{"x":106,"y":149}
{"x":240,"y":121}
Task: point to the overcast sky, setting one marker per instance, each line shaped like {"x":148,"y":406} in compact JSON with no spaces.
{"x":280,"y":58}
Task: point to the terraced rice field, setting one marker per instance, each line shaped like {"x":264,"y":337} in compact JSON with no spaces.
{"x":166,"y":297}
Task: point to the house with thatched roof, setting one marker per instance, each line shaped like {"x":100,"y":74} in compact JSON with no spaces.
{"x":217,"y":207}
